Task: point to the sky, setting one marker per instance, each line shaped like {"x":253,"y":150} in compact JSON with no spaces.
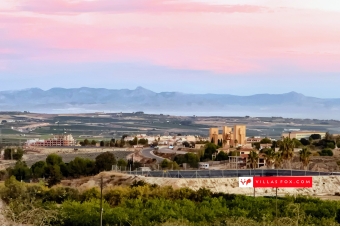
{"x":239,"y":47}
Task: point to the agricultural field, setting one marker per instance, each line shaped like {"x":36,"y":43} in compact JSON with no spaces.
{"x":18,"y":127}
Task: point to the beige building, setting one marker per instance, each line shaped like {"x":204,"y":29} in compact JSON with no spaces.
{"x":230,"y":136}
{"x":302,"y":134}
{"x":56,"y":141}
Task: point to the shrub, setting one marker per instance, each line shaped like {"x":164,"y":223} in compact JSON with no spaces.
{"x":326,"y":152}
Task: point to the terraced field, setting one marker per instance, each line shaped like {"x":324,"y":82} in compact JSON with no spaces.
{"x":33,"y":158}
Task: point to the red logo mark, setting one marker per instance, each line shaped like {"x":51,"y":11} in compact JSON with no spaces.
{"x":244,"y":181}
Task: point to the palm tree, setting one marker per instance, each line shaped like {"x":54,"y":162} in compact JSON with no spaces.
{"x":269,"y":156}
{"x":253,"y":159}
{"x":278,"y":160}
{"x":287,"y":148}
{"x":305,"y":157}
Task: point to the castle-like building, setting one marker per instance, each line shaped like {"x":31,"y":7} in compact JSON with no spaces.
{"x":230,"y":136}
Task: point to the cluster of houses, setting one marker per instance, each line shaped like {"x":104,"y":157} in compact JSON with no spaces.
{"x":166,"y":140}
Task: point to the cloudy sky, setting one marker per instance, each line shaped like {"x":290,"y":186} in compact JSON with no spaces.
{"x":240,"y":47}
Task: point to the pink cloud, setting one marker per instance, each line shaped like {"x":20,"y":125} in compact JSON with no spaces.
{"x":214,"y":41}
{"x":132,"y":6}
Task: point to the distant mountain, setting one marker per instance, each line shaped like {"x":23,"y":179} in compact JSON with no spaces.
{"x":99,"y":99}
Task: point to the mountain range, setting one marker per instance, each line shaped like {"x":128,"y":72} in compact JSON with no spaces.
{"x":61,"y":100}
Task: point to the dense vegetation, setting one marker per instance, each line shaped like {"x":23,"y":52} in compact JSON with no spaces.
{"x":143,"y":204}
{"x":54,"y":169}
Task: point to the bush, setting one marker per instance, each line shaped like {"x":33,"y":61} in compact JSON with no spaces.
{"x":105,"y":161}
{"x":326,"y":152}
{"x":330,"y":145}
{"x":222,"y":156}
{"x":15,"y":153}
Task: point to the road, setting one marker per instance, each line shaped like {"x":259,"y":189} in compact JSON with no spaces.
{"x":166,"y":150}
{"x":147,"y":153}
{"x":229,"y":173}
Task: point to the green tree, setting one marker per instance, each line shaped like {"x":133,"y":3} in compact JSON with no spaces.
{"x":143,"y":141}
{"x":165,"y":163}
{"x":81,"y":167}
{"x":192,"y":159}
{"x":21,"y":171}
{"x":304,"y":142}
{"x":286,"y":146}
{"x":186,"y":144}
{"x":305,"y":157}
{"x":53,"y":159}
{"x":105,"y":161}
{"x":38,"y":169}
{"x":257,"y":145}
{"x":315,"y":137}
{"x":265,"y":141}
{"x":13,"y":189}
{"x":93,"y":143}
{"x":86,"y":142}
{"x":278,"y":160}
{"x":297,"y":143}
{"x":53,"y":174}
{"x":253,"y":158}
{"x":121,"y":163}
{"x":269,"y":155}
{"x":13,"y":153}
{"x":221,"y":156}
{"x":102,"y":143}
{"x":210,"y":149}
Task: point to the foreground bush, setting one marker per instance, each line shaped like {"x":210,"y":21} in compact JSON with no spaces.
{"x":144,"y":204}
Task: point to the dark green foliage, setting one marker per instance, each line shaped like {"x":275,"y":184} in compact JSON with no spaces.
{"x":81,"y":167}
{"x":315,"y":137}
{"x":330,"y":145}
{"x":265,"y":140}
{"x":102,"y":143}
{"x":338,"y":216}
{"x":122,"y":163}
{"x":297,"y":143}
{"x":190,"y":158}
{"x":210,"y":149}
{"x":143,"y":141}
{"x":136,"y":165}
{"x":150,"y":205}
{"x":38,"y":169}
{"x":53,"y":159}
{"x":59,"y":194}
{"x":12,"y":153}
{"x":257,"y":145}
{"x":21,"y":171}
{"x":53,"y":175}
{"x":186,"y":144}
{"x":138,"y":183}
{"x":304,"y":142}
{"x":105,"y":161}
{"x":166,"y":164}
{"x":133,"y":142}
{"x":221,"y":156}
{"x":326,"y":152}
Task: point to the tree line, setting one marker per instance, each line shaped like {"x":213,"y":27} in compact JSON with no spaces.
{"x":53,"y":169}
{"x":114,"y":142}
